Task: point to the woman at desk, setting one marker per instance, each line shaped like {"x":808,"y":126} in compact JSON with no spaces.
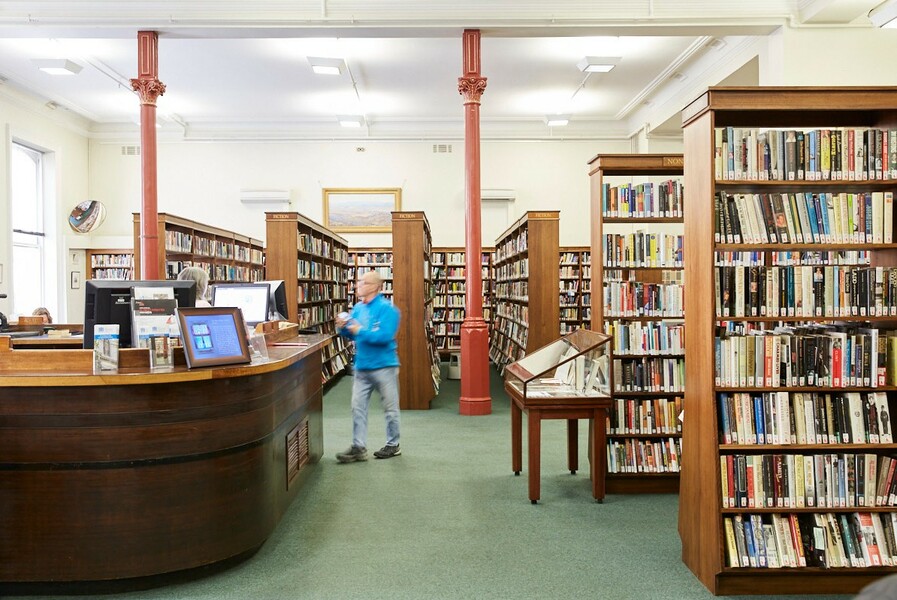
{"x":202,"y":284}
{"x":44,"y":313}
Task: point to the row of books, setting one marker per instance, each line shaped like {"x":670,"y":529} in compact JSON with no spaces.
{"x":827,"y":540}
{"x":642,"y":249}
{"x":112,"y":273}
{"x":111,"y":260}
{"x":807,"y":481}
{"x":644,"y":456}
{"x":808,"y":356}
{"x":442,"y":329}
{"x":450,"y":286}
{"x":642,"y":200}
{"x":503,"y":350}
{"x":452,"y":258}
{"x":806,"y":291}
{"x":178,"y":242}
{"x":514,"y":270}
{"x":804,"y":418}
{"x":448,"y":301}
{"x":569,"y":272}
{"x":840,"y":154}
{"x":572,"y":258}
{"x":217,"y":248}
{"x":312,"y":244}
{"x":639,"y":299}
{"x":805,"y":218}
{"x":649,"y":374}
{"x":757,"y":258}
{"x":656,"y":415}
{"x":511,"y":246}
{"x":311,"y":316}
{"x":653,"y":337}
{"x":367,"y":259}
{"x":315,"y":292}
{"x":249,"y":254}
{"x":235,"y":273}
{"x":517,"y":290}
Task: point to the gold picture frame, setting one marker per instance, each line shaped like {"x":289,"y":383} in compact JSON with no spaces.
{"x":357,"y":210}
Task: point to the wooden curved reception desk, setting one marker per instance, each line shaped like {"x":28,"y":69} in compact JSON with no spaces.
{"x":140,"y":473}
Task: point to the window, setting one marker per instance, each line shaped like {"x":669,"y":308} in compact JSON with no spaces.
{"x":28,"y":235}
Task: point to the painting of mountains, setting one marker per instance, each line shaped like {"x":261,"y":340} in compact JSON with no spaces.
{"x":360,"y":209}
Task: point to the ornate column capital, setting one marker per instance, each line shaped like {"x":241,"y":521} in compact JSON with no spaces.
{"x":148,"y":90}
{"x":472,"y":88}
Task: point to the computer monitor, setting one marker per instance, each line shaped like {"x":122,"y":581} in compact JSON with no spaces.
{"x":277,"y":303}
{"x":250,"y":298}
{"x":108,"y":302}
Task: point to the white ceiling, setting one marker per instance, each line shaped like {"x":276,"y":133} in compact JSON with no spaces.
{"x":239,"y":70}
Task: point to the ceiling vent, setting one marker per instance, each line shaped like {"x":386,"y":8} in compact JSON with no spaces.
{"x":442,"y":148}
{"x":130,"y":150}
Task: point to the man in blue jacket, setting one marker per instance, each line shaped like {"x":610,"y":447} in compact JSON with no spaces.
{"x":373,"y":326}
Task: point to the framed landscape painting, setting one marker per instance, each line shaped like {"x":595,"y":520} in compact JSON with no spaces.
{"x":350,"y":210}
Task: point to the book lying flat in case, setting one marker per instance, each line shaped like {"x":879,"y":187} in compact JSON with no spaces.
{"x":105,"y":348}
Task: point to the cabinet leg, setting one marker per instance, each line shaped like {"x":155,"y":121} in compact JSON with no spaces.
{"x":534,"y":451}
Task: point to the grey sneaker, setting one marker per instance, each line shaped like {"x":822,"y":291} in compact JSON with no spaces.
{"x":388,"y":452}
{"x":353,"y":454}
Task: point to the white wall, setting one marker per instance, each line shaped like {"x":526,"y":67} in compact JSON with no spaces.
{"x":202,"y":181}
{"x":59,"y":134}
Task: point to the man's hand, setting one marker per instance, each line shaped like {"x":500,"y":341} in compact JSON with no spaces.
{"x":354,"y":328}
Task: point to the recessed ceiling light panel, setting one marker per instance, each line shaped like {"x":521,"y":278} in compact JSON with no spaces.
{"x":57,"y":66}
{"x":350,"y":120}
{"x":557,"y":120}
{"x":598,"y":64}
{"x":327,"y":66}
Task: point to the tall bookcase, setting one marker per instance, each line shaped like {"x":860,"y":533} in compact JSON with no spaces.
{"x":727,"y":134}
{"x":413,"y":293}
{"x":370,"y":259}
{"x":225,"y":255}
{"x":107,"y":263}
{"x":313,"y":263}
{"x":449,"y":308}
{"x":525,"y":268}
{"x":637,"y":231}
{"x":575,"y":283}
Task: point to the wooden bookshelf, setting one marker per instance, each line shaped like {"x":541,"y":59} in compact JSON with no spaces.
{"x":413,"y":293}
{"x":313,"y":263}
{"x":225,"y":255}
{"x":704,"y":511}
{"x":449,"y":304}
{"x":108,"y":263}
{"x":525,"y":269}
{"x":575,"y":284}
{"x":638,"y":297}
{"x":370,"y":259}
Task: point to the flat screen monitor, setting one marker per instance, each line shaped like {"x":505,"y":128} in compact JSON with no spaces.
{"x":213,"y":336}
{"x":277,"y":302}
{"x":108,"y":302}
{"x":251,"y":298}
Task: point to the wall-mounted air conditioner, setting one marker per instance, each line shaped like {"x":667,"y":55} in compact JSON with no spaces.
{"x":265,"y":196}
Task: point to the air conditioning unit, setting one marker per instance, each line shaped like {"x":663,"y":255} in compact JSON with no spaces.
{"x":496,"y":195}
{"x":265,"y":196}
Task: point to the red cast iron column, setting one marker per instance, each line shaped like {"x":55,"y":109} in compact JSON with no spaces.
{"x":149,"y":88}
{"x":475,"y":399}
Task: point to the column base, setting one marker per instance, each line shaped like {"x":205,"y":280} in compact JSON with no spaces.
{"x":475,"y":398}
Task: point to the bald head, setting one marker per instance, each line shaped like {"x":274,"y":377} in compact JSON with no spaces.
{"x":368,"y":286}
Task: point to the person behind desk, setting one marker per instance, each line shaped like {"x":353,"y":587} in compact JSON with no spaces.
{"x":43,"y":312}
{"x":201,"y":277}
{"x":373,"y":326}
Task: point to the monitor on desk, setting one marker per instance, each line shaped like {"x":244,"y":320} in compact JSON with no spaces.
{"x":251,"y":298}
{"x":213,"y":336}
{"x":108,"y":302}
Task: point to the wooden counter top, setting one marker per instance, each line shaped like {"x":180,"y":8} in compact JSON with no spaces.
{"x":69,"y":367}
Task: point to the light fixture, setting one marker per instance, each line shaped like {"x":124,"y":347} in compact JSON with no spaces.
{"x":327,"y":66}
{"x":557,"y":120}
{"x":57,"y":66}
{"x":598,"y":64}
{"x":350,"y":120}
{"x":884,"y":15}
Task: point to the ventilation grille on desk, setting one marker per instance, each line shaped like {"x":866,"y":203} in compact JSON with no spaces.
{"x":297,"y":450}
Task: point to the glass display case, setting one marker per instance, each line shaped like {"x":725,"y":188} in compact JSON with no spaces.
{"x":575,"y":365}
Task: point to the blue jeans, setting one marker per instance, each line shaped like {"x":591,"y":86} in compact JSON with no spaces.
{"x":386,"y":382}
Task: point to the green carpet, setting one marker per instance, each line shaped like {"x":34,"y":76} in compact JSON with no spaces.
{"x":448,"y":519}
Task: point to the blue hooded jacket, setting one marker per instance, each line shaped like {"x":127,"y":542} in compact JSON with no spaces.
{"x":375,"y":342}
